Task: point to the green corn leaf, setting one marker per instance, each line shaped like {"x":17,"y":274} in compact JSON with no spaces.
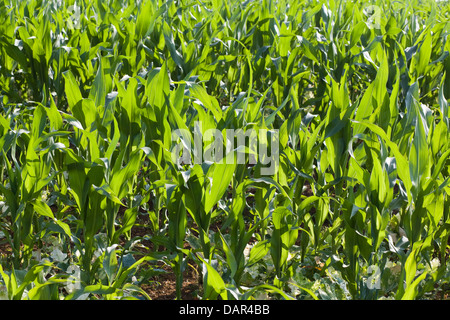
{"x":110,"y":264}
{"x":98,"y":90}
{"x":73,"y":93}
{"x":65,"y":227}
{"x":174,"y":54}
{"x":231,"y":259}
{"x":422,"y":58}
{"x":356,"y":33}
{"x":99,"y":289}
{"x":43,"y":209}
{"x":411,"y":280}
{"x":258,"y":252}
{"x":209,"y":102}
{"x":219,"y":176}
{"x":11,"y":287}
{"x":106,"y":191}
{"x":283,"y":237}
{"x":402,"y":162}
{"x":30,"y":276}
{"x":213,"y":283}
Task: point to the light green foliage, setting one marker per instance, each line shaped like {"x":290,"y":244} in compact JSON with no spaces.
{"x":96,"y":97}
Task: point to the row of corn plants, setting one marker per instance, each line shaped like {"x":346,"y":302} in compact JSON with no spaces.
{"x":115,"y":116}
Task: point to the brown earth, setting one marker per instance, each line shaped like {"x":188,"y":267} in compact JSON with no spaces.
{"x":163,"y":287}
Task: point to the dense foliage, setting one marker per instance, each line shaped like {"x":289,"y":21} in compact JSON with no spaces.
{"x":93,"y":204}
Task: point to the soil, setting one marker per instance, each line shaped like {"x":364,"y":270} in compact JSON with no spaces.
{"x":163,"y":287}
{"x":5,"y":249}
